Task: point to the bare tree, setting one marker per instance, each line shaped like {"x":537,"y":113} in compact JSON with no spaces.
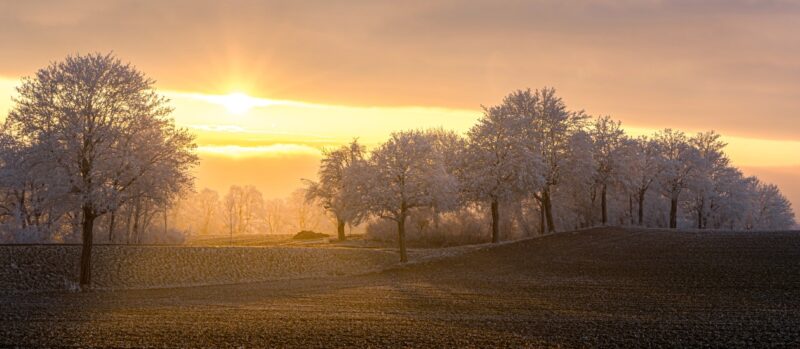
{"x":243,"y":210}
{"x":304,"y":214}
{"x":275,"y":215}
{"x":207,"y":203}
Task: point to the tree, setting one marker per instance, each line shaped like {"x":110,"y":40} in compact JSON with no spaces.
{"x":24,"y":207}
{"x":772,"y":211}
{"x":403,"y":174}
{"x":207,"y":204}
{"x":335,"y":189}
{"x":711,"y":165}
{"x":304,"y":215}
{"x":450,"y":147}
{"x":645,"y":167}
{"x":243,"y":209}
{"x":253,"y":211}
{"x":680,"y":161}
{"x":578,"y":189}
{"x":275,"y":215}
{"x":608,"y":140}
{"x":498,"y":163}
{"x":101,"y":129}
{"x":551,"y":129}
{"x":729,"y":200}
{"x":233,"y":210}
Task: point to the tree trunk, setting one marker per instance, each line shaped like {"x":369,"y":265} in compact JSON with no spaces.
{"x":166,"y":226}
{"x":548,"y":208}
{"x":111,"y":228}
{"x":541,"y":219}
{"x":86,"y":250}
{"x":136,"y":215}
{"x":603,"y":205}
{"x":23,"y":216}
{"x":495,"y":221}
{"x":401,"y":237}
{"x":340,"y":229}
{"x":700,"y":224}
{"x":630,"y":209}
{"x":641,"y":208}
{"x":700,"y":218}
{"x":129,"y":227}
{"x":673,"y":213}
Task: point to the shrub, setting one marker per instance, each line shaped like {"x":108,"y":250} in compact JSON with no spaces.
{"x":171,"y":236}
{"x":426,"y":229}
{"x":309,"y":235}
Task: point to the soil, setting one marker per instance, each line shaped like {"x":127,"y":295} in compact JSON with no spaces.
{"x":595,"y":288}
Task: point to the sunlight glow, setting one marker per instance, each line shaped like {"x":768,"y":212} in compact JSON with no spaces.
{"x":272,"y":150}
{"x":238,"y":103}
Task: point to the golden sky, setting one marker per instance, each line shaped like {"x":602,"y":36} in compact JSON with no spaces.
{"x":319,"y":72}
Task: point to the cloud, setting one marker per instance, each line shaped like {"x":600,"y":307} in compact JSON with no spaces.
{"x":264,"y":151}
{"x":729,"y":65}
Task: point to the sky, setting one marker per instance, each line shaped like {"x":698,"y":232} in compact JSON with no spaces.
{"x":265,"y":85}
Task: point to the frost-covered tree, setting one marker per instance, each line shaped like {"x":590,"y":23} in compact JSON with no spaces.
{"x":729,"y":200}
{"x":771,"y":209}
{"x":608,"y":140}
{"x":498,"y":162}
{"x":552,"y":126}
{"x":405,"y":173}
{"x":336,"y":189}
{"x":577,"y":191}
{"x":100,"y":129}
{"x":26,"y":212}
{"x":644,"y":167}
{"x":711,"y":165}
{"x":450,"y":146}
{"x":680,"y":162}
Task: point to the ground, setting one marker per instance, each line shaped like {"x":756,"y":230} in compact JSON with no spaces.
{"x":603,"y":287}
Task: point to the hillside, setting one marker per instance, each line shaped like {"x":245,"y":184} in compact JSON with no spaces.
{"x":602,"y":287}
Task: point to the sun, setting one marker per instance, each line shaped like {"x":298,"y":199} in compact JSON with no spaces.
{"x":239,"y":103}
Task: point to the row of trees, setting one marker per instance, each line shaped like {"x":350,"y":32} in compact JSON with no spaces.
{"x":244,"y":211}
{"x":533,"y":157}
